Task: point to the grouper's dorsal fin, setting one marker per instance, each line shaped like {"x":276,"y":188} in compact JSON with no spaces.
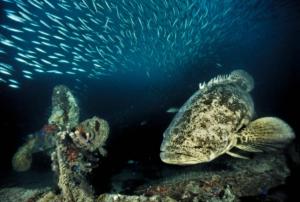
{"x":240,"y":77}
{"x":221,"y":79}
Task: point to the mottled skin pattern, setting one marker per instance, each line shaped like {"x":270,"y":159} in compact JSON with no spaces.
{"x":206,"y":126}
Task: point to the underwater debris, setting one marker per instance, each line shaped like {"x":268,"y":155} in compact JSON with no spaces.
{"x":65,"y":110}
{"x":70,"y":173}
{"x":218,"y":118}
{"x":74,"y":148}
{"x":13,"y":194}
{"x":126,"y":198}
{"x":220,"y":180}
{"x":65,"y":114}
{"x":225,"y":179}
{"x":91,"y":135}
{"x":76,"y":154}
{"x":22,"y":159}
{"x":49,"y":128}
{"x":211,"y":182}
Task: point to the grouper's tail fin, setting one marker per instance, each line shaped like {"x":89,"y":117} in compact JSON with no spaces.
{"x":243,"y":79}
{"x":265,"y":134}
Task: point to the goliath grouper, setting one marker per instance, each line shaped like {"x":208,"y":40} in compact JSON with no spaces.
{"x":216,"y":119}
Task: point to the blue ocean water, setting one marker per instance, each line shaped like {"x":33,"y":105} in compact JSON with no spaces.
{"x":130,"y":61}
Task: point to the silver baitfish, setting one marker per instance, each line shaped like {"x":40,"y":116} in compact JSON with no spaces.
{"x":217,"y":118}
{"x":115,"y":36}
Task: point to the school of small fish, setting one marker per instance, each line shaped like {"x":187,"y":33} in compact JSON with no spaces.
{"x":96,"y":38}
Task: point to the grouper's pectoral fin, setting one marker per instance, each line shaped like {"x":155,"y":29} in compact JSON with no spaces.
{"x":267,"y":134}
{"x":236,"y":155}
{"x":248,"y":148}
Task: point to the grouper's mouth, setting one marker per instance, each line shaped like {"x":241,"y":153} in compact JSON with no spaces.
{"x":178,"y":158}
{"x":171,"y":155}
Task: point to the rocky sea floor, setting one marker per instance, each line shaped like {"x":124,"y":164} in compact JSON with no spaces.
{"x":225,"y":179}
